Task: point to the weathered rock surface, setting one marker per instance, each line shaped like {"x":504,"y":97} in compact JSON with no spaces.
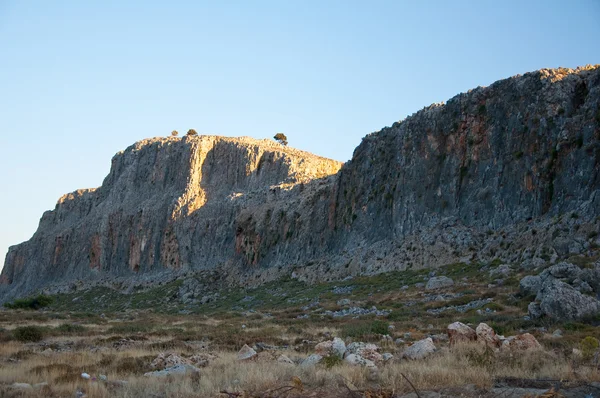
{"x":420,"y":349}
{"x":246,"y":353}
{"x":563,"y":292}
{"x":454,"y":182}
{"x":458,"y":332}
{"x":487,"y":336}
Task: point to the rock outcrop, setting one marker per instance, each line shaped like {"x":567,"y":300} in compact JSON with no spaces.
{"x":515,"y":164}
{"x":563,"y":292}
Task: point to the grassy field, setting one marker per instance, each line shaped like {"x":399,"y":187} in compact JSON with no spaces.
{"x":104,"y":332}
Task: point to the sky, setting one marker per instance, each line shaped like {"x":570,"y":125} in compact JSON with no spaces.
{"x":82,"y":80}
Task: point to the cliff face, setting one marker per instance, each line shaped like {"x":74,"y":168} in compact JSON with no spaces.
{"x":168,"y":203}
{"x":438,"y":187}
{"x":522,"y":148}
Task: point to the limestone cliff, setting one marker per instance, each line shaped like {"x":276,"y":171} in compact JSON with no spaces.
{"x":486,"y":175}
{"x":168,"y":203}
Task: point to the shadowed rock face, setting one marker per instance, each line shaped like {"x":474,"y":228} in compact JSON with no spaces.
{"x":430,"y":190}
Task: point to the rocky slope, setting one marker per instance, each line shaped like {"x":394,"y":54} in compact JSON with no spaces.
{"x":508,"y":172}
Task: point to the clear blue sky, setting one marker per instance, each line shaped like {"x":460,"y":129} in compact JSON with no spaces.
{"x":81,"y":80}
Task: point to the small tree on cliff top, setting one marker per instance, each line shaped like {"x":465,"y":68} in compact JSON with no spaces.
{"x":174,"y":133}
{"x":192,"y":132}
{"x":281,"y":138}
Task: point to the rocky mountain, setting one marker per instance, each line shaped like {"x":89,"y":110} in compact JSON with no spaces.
{"x":508,"y":172}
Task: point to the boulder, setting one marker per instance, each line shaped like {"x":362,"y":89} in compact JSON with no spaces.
{"x":561,"y":301}
{"x":285,"y":359}
{"x":22,"y":386}
{"x":458,"y":332}
{"x":332,"y":347}
{"x":365,"y":350}
{"x":178,"y":370}
{"x":311,"y":361}
{"x":534,"y":310}
{"x":164,"y":360}
{"x":324,"y":348}
{"x":438,"y":282}
{"x":530,"y":285}
{"x":521,"y":342}
{"x":420,"y":349}
{"x":563,"y":270}
{"x":357,"y":360}
{"x":246,"y":353}
{"x":487,"y":336}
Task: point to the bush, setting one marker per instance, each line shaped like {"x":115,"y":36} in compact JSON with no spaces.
{"x":28,"y":333}
{"x":331,"y":360}
{"x":31,"y":303}
{"x":69,"y":328}
{"x":174,"y":133}
{"x":588,"y":346}
{"x":191,"y":132}
{"x":361,"y":330}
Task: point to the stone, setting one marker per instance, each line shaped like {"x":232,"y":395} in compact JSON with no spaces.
{"x":164,"y":360}
{"x":365,"y":350}
{"x":246,"y":353}
{"x":357,"y":360}
{"x":324,"y":348}
{"x":284,"y":359}
{"x":386,"y":356}
{"x":439,"y":282}
{"x":487,"y":336}
{"x":338,"y":347}
{"x":178,"y":370}
{"x":311,"y":360}
{"x":557,"y":333}
{"x":530,"y":285}
{"x":344,"y":302}
{"x":501,"y":270}
{"x":534,"y":310}
{"x":458,"y":332}
{"x":331,"y":347}
{"x":521,"y":342}
{"x":420,"y":349}
{"x":22,"y":386}
{"x":560,"y":301}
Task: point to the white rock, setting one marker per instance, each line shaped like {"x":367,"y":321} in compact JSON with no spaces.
{"x":311,"y":361}
{"x":357,"y":360}
{"x":246,"y":353}
{"x":22,"y":386}
{"x":420,"y":349}
{"x":285,"y":359}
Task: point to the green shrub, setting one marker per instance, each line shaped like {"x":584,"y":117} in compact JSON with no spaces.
{"x":191,"y":132}
{"x":588,"y":346}
{"x":28,"y":333}
{"x":30,"y":303}
{"x":70,"y":328}
{"x":359,"y":330}
{"x":331,"y":360}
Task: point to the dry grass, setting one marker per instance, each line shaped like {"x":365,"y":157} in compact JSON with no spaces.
{"x":95,"y":354}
